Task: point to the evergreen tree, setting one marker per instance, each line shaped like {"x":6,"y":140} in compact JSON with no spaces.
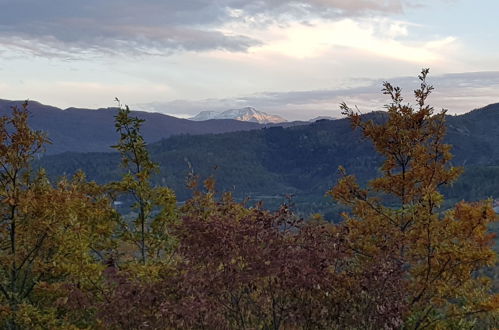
{"x":439,"y":251}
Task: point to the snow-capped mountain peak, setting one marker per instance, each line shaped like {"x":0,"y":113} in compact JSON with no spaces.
{"x":205,"y":115}
{"x":244,"y":114}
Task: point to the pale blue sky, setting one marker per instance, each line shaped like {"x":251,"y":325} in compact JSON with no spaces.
{"x":297,"y":59}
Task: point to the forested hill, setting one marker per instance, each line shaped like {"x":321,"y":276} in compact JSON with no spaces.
{"x":269,"y":161}
{"x":475,"y":136}
{"x":86,"y":130}
{"x":301,"y":160}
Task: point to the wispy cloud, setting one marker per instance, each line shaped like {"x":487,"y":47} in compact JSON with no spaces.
{"x":293,"y":58}
{"x":459,"y":93}
{"x":66,"y":28}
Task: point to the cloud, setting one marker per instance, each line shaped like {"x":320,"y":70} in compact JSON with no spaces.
{"x":324,"y":8}
{"x":83,"y":94}
{"x":64,"y":28}
{"x":380,"y":37}
{"x":459,"y":93}
{"x":50,"y":28}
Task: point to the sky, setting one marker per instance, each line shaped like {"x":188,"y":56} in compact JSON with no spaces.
{"x":297,"y":59}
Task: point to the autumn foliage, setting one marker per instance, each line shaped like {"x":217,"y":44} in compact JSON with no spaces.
{"x":399,"y":260}
{"x":440,"y":251}
{"x":48,"y":232}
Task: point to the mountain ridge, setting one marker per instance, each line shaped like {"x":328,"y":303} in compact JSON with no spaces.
{"x":92,"y":130}
{"x":248,"y":114}
{"x":300,"y":160}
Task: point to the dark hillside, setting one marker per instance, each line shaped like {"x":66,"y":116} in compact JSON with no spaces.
{"x":300,"y":160}
{"x":85,"y":130}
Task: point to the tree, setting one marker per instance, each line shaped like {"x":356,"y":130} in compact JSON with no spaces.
{"x":155,"y":206}
{"x":249,"y":268}
{"x":246,"y":268}
{"x":49,"y":234}
{"x":440,"y":251}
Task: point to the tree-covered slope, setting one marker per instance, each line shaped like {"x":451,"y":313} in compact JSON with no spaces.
{"x":300,"y":160}
{"x":263,"y":162}
{"x":86,"y":130}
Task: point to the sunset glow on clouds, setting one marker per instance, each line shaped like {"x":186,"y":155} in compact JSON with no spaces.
{"x":181,"y":57}
{"x":378,"y":37}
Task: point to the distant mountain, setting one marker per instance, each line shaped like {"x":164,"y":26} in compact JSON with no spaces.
{"x":205,"y":115}
{"x":300,"y":160}
{"x":85,"y":130}
{"x":248,"y":114}
{"x":322,"y":118}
